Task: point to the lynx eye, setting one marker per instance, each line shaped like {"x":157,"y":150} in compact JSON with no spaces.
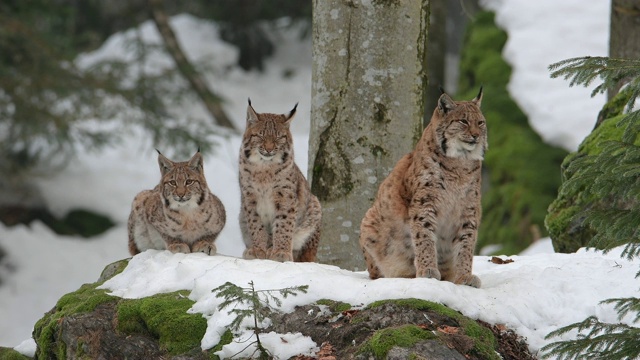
{"x":481,"y":123}
{"x":188,"y":182}
{"x":173,"y":183}
{"x":464,"y":122}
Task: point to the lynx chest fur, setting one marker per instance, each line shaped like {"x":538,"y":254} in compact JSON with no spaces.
{"x":424,"y":220}
{"x":279,"y":217}
{"x":180,"y":214}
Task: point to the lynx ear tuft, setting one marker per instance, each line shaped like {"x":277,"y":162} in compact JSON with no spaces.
{"x":196,"y":162}
{"x":252,"y":116}
{"x":165,"y":164}
{"x":291,"y":114}
{"x":478,"y":99}
{"x":445,"y":104}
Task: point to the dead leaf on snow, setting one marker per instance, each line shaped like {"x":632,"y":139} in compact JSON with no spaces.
{"x":499,"y":261}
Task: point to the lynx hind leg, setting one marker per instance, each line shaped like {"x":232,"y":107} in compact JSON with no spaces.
{"x":312,"y":226}
{"x":133,"y":248}
{"x":372,"y":269}
{"x":310,"y":248}
{"x":370,"y":242}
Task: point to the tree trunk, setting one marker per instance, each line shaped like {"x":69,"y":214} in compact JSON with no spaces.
{"x":366,"y":113}
{"x":435,"y":57}
{"x":624,"y":35}
{"x":209,"y":99}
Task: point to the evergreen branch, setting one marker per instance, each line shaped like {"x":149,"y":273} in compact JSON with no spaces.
{"x":585,"y":70}
{"x":624,"y":306}
{"x":602,"y":341}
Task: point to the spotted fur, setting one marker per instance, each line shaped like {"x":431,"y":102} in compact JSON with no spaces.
{"x":424,"y":220}
{"x":180,"y":214}
{"x":279,"y":216}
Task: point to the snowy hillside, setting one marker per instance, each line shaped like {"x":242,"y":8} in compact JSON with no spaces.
{"x":535,"y":294}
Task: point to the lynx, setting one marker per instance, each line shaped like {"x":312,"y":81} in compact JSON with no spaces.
{"x":180,"y":214}
{"x":424,"y":220}
{"x":279,"y":217}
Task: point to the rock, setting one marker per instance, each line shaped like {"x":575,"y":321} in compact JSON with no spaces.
{"x":393,"y":329}
{"x":430,"y":349}
{"x":89,"y":323}
{"x":568,"y":216}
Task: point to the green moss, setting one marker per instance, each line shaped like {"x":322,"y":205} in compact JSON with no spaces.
{"x":567,"y":213}
{"x":334,"y":306}
{"x":484,"y":341}
{"x":522,"y":173}
{"x":85,"y":299}
{"x":165,"y":317}
{"x":10,"y":354}
{"x":404,"y":336}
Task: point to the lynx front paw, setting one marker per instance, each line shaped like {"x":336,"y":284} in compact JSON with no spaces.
{"x":431,"y":273}
{"x":254,"y":253}
{"x":281,"y":256}
{"x":179,"y":248}
{"x":204,"y":247}
{"x":470,"y":280}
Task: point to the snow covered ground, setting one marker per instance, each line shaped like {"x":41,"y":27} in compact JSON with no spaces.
{"x":535,"y":294}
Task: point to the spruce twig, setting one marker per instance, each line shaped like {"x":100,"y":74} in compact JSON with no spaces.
{"x":247,"y":302}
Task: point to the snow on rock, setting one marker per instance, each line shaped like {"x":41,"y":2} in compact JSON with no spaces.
{"x":532,"y":295}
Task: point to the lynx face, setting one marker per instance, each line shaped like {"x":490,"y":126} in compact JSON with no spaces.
{"x":463,"y":130}
{"x":183,"y":183}
{"x":267,"y":138}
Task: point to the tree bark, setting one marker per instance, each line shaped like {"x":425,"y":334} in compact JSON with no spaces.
{"x":435,"y":57}
{"x":624,"y":33}
{"x":209,"y":99}
{"x":366,"y":113}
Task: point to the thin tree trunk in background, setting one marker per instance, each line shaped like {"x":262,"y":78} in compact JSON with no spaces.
{"x":435,"y":57}
{"x":624,"y":35}
{"x":368,"y":86}
{"x":210,"y":101}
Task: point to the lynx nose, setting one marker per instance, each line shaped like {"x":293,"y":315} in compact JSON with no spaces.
{"x":269,"y":146}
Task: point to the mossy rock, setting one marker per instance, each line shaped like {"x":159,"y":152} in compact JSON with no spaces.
{"x":521,"y":173}
{"x":402,"y":336}
{"x":567,"y":219}
{"x":334,"y":306}
{"x":482,"y":343}
{"x":165,"y":317}
{"x":403,"y":328}
{"x":89,"y":323}
{"x":10,"y":354}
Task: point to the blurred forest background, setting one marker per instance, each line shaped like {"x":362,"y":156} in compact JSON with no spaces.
{"x":52,"y":104}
